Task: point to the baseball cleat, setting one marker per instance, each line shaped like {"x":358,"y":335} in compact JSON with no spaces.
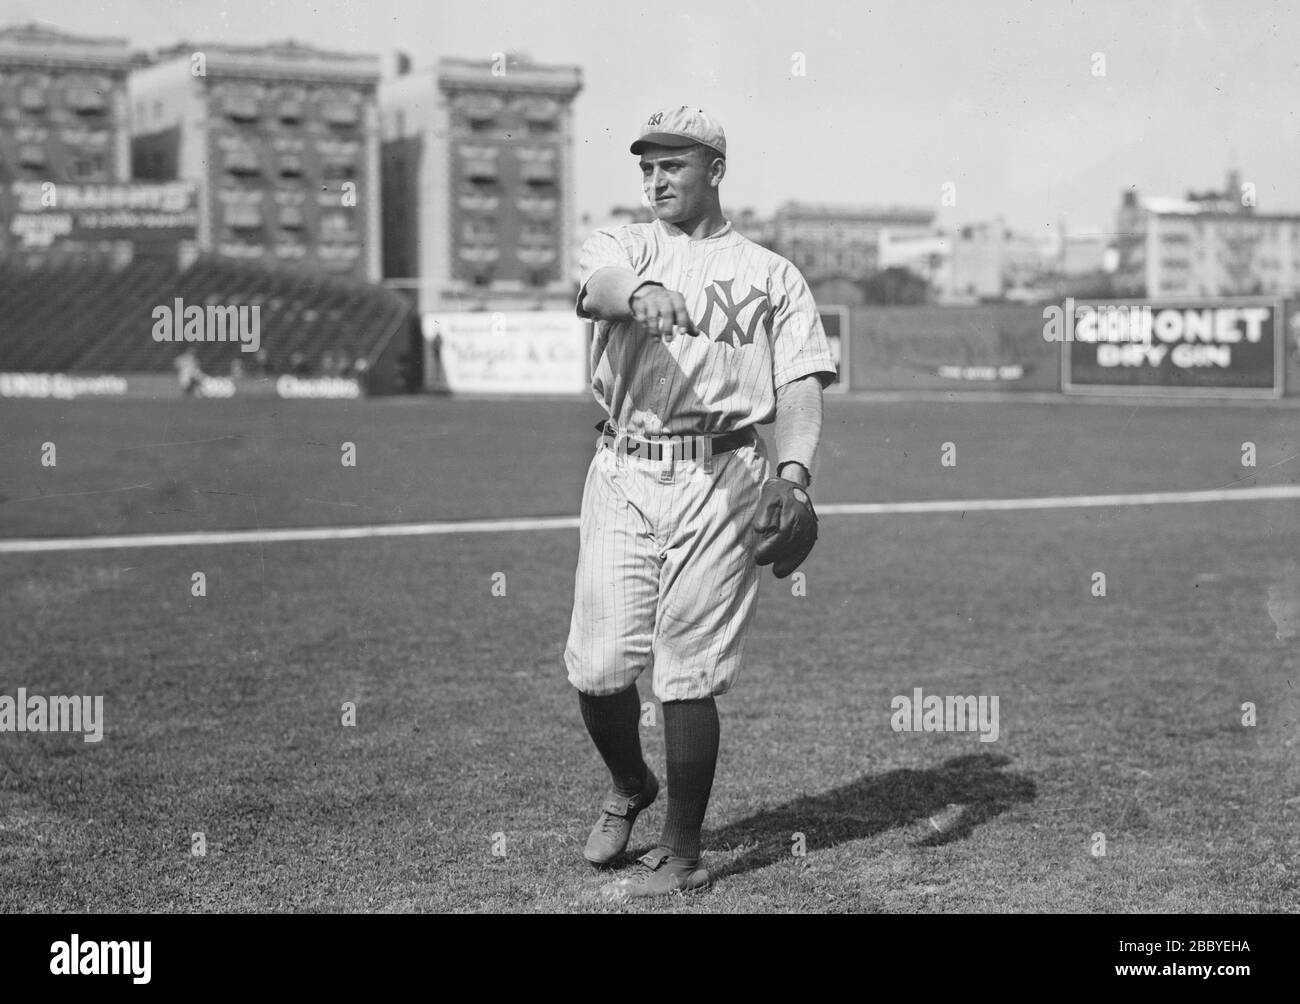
{"x":659,"y":873}
{"x":610,"y":835}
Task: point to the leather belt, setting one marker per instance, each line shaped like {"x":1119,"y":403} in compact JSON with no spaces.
{"x":678,"y":447}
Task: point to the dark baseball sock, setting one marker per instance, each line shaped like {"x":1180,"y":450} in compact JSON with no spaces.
{"x":614,"y":724}
{"x":691,"y":742}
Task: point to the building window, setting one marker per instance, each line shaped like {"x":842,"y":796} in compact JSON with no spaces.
{"x":243,"y":163}
{"x":477,"y":124}
{"x":536,"y":256}
{"x":533,"y":205}
{"x":32,"y":157}
{"x":32,"y":99}
{"x":242,"y":109}
{"x":479,"y":230}
{"x":87,"y":101}
{"x":539,"y":175}
{"x":87,"y":168}
{"x":340,"y":114}
{"x":481,"y":170}
{"x":478,"y":202}
{"x":339,"y":169}
{"x":335,"y":225}
{"x":243,"y":218}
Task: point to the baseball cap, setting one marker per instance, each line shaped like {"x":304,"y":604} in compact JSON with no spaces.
{"x":682,"y":126}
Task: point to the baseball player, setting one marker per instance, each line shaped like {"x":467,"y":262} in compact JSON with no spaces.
{"x":701,"y":335}
{"x":188,"y":373}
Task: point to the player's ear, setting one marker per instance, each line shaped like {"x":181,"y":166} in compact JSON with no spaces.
{"x":717,"y":171}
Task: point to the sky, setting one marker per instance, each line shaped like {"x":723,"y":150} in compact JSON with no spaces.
{"x":1000,"y":99}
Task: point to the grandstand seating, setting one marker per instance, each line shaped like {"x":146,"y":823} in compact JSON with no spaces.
{"x":97,"y":319}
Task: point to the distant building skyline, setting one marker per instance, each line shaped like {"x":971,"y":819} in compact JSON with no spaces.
{"x":1209,"y":243}
{"x":497,"y":185}
{"x":1008,"y":101}
{"x":824,"y":239}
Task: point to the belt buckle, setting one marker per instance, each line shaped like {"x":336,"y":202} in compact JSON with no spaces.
{"x":667,"y":458}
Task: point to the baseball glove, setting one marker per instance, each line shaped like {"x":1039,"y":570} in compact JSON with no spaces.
{"x":786,"y":525}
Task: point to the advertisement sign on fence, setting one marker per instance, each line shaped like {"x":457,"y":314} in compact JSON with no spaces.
{"x":517,"y":352}
{"x":1185,"y":348}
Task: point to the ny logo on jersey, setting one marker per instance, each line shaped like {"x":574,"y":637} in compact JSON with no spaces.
{"x":719,"y":295}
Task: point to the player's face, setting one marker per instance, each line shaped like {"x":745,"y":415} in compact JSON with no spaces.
{"x":677,"y":182}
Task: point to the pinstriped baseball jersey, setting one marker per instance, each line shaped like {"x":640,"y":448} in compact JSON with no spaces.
{"x":759,"y":322}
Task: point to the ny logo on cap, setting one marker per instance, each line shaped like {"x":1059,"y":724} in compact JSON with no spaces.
{"x":719,"y":295}
{"x":655,"y":119}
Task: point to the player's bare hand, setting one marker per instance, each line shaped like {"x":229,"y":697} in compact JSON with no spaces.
{"x":659,"y":311}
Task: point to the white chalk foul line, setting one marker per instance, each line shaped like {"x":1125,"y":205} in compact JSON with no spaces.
{"x":201,"y":538}
{"x":1263,"y":494}
{"x":285,"y":536}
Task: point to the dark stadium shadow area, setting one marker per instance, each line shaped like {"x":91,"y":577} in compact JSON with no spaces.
{"x":944,"y":804}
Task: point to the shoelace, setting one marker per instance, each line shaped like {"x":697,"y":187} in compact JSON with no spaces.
{"x":608,"y":823}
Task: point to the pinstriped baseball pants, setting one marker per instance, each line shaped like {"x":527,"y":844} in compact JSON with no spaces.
{"x":666,"y":575}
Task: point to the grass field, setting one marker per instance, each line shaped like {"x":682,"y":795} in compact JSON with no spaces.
{"x":1119,"y":715}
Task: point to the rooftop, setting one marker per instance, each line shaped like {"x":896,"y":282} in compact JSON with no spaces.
{"x":36,"y":44}
{"x":829,"y":211}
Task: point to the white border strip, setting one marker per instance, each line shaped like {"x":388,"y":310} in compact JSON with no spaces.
{"x":199,"y":539}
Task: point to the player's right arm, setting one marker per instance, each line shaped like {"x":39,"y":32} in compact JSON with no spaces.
{"x":613,"y":290}
{"x":615,"y":294}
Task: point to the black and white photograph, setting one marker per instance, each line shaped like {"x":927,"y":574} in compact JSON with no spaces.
{"x":528,"y":457}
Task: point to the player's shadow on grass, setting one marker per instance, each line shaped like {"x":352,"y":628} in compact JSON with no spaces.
{"x":959,"y":795}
